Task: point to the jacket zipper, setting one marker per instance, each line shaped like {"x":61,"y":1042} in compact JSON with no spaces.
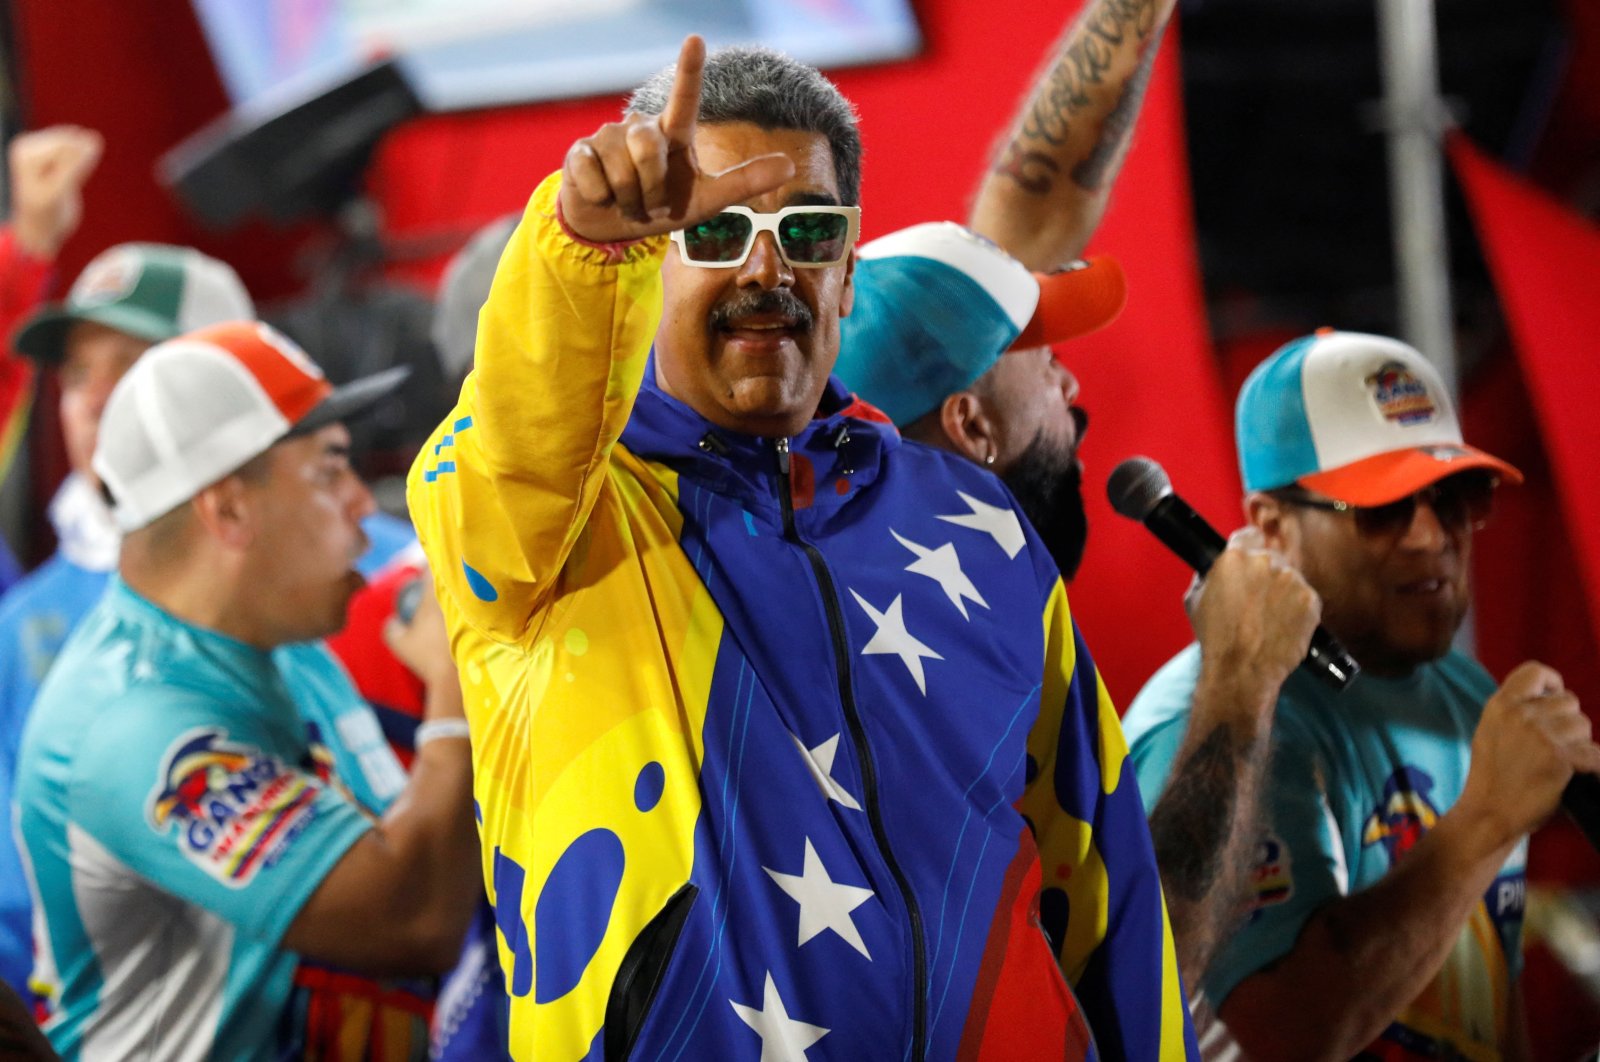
{"x":858,"y":737}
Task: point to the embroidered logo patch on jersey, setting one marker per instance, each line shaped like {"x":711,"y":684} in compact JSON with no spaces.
{"x":1270,"y":880}
{"x":1400,"y":396}
{"x":235,"y":809}
{"x":1405,"y":813}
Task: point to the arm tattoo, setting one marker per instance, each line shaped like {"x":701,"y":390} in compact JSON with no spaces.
{"x":1068,"y":88}
{"x":1091,"y":173}
{"x":1032,"y":170}
{"x":1194,"y":819}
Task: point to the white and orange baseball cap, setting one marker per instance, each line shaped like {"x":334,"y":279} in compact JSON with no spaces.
{"x":1359,"y":418}
{"x":936,"y":305}
{"x":198,"y":407}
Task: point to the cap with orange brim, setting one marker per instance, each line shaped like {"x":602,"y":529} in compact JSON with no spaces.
{"x":1081,"y":298}
{"x":936,"y":305}
{"x":1359,"y":418}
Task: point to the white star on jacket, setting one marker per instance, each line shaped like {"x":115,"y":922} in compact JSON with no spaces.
{"x":819,"y":761}
{"x":782,"y":1038}
{"x":824,"y":903}
{"x":943,"y":566}
{"x":999,"y":524}
{"x":891,"y":637}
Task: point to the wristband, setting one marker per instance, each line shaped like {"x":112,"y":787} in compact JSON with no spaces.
{"x":435,"y":729}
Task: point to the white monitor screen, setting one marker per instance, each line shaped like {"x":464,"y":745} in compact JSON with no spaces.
{"x":481,"y":53}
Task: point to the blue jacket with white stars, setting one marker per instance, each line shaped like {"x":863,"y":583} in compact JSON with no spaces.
{"x":784,"y":749}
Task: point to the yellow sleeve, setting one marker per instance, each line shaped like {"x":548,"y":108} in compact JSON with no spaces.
{"x":502,"y":489}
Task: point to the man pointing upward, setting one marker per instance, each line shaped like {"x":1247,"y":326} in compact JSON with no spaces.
{"x":784,"y":742}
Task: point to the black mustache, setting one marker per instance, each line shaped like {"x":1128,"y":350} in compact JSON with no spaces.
{"x":780,"y":302}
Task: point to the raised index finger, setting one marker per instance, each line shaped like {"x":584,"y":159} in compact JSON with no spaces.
{"x":683,"y":104}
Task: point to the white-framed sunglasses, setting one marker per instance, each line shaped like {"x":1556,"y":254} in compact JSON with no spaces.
{"x":808,"y":237}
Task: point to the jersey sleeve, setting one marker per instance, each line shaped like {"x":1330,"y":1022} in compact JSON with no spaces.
{"x":184,"y":796}
{"x":501,"y":492}
{"x":1299,"y":863}
{"x":1153,"y":754}
{"x":1102,"y":906}
{"x":1158,"y":721}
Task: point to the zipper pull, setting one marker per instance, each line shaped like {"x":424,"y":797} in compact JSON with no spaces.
{"x":841,"y":439}
{"x":781,"y":444}
{"x":711,"y":443}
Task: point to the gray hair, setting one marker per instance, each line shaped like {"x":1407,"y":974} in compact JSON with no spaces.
{"x":770,"y":90}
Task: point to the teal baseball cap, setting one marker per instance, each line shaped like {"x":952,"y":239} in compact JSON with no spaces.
{"x":936,"y":305}
{"x":1363,"y":419}
{"x":153,"y":291}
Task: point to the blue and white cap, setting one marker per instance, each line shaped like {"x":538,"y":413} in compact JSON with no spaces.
{"x":1360,"y":418}
{"x":936,"y":305}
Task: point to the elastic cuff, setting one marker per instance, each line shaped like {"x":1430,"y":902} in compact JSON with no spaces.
{"x":615,"y":253}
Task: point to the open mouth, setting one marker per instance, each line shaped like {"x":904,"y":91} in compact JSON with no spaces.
{"x":762,"y":329}
{"x":762,"y":317}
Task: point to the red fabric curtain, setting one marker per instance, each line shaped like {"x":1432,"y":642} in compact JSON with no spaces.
{"x":1545,"y":260}
{"x":928,"y":126}
{"x":1153,"y":387}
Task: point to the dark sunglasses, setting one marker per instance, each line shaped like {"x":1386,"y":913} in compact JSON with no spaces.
{"x":809,"y":237}
{"x":1464,"y":500}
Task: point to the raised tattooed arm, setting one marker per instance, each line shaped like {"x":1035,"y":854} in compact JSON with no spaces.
{"x":1052,"y":173}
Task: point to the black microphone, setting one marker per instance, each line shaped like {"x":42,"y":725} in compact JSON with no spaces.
{"x":1581,"y":801}
{"x":1140,"y":490}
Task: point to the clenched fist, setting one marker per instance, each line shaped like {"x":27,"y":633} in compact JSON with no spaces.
{"x":1253,"y":615}
{"x":48,"y":169}
{"x":1531,"y":737}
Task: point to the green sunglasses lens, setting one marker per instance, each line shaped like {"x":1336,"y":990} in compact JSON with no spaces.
{"x":718,"y":239}
{"x":814,"y":237}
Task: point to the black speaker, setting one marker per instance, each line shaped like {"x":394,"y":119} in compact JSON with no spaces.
{"x":301,"y":157}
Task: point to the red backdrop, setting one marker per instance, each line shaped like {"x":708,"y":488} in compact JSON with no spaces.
{"x":140,"y":73}
{"x":928,"y":125}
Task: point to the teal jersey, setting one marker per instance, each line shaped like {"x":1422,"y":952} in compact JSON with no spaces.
{"x":1356,"y":779}
{"x":176,"y":813}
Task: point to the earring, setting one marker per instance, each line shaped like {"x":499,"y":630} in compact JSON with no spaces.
{"x":989,"y":459}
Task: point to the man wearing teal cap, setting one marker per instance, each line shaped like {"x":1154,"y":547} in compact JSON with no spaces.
{"x":954,"y":334}
{"x":1387,"y":896}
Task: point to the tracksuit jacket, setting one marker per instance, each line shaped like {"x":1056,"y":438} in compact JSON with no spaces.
{"x":784,"y":748}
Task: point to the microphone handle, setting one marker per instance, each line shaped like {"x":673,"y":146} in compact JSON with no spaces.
{"x":1187,"y":534}
{"x":1581,"y":801}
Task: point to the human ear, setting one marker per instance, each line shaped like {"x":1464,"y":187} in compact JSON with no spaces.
{"x":1274,"y":520}
{"x":969,"y":427}
{"x":229,"y":512}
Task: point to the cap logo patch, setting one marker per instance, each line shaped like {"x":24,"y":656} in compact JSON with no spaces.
{"x":107,"y":279}
{"x":1400,"y":396}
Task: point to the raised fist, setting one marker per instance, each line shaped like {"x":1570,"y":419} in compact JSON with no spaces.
{"x":48,"y":171}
